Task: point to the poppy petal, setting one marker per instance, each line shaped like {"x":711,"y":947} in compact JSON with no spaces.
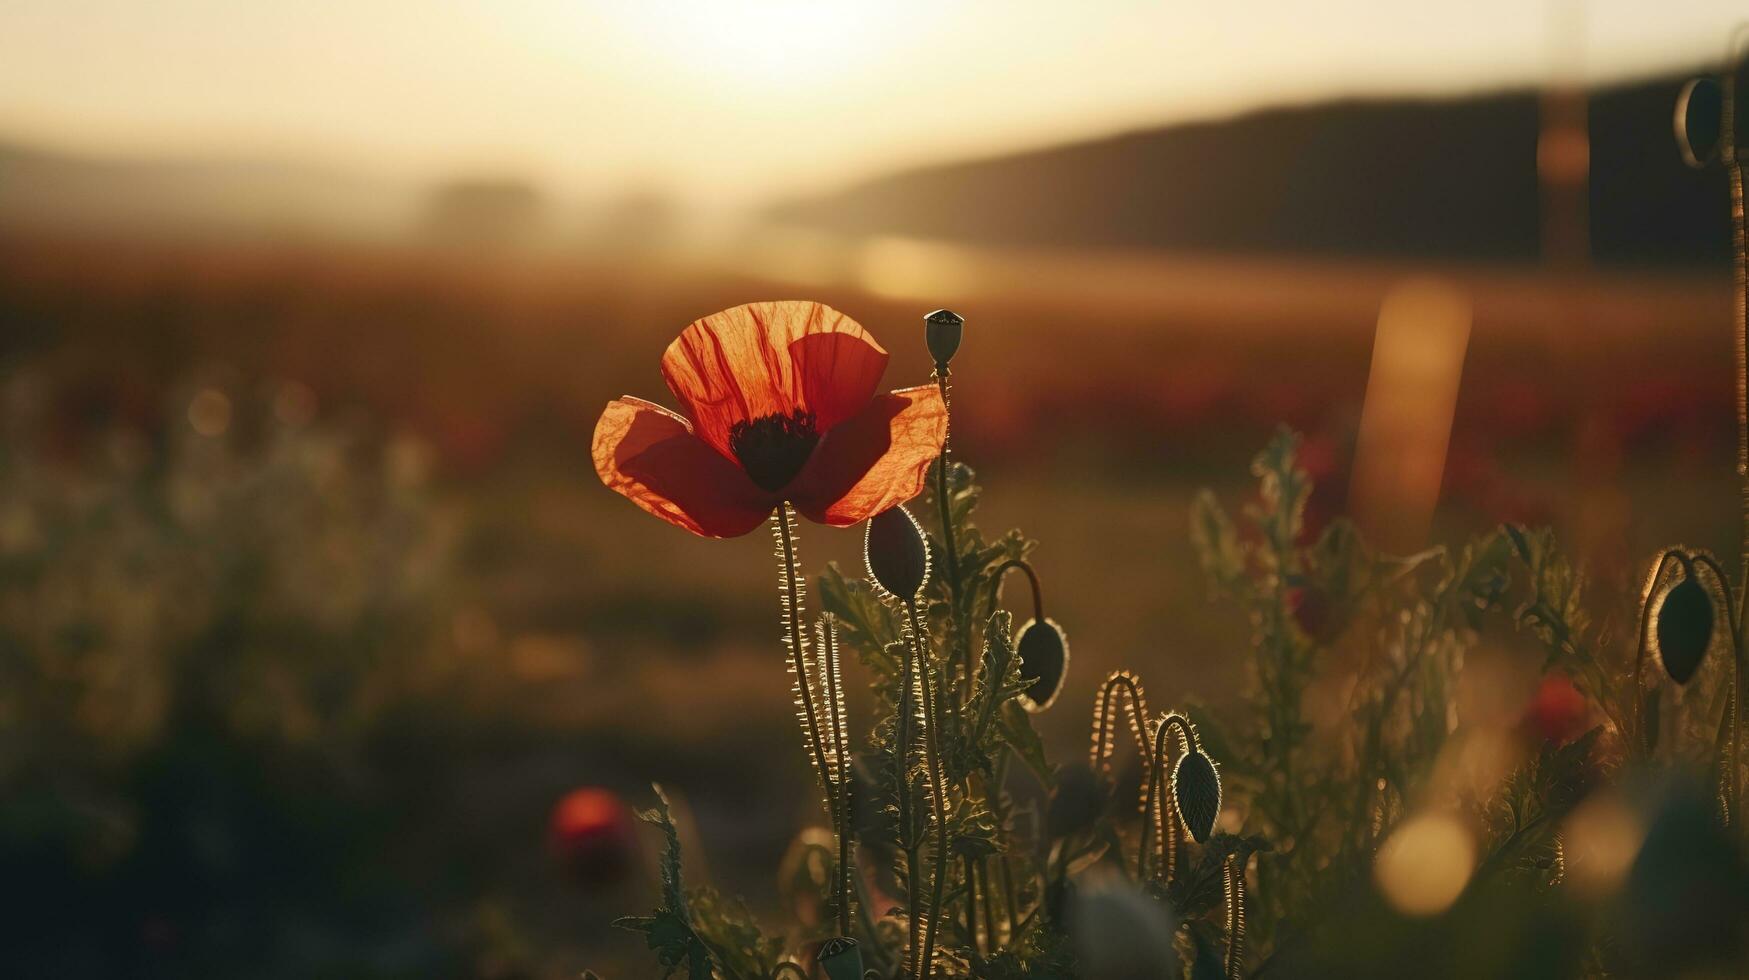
{"x":773,"y":358}
{"x":873,"y":460}
{"x":651,"y":456}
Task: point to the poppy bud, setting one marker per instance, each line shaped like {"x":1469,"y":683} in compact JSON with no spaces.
{"x":1700,"y":116}
{"x":942,"y":330}
{"x":1685,"y":628}
{"x":1558,"y":712}
{"x":896,"y":553}
{"x":1196,"y":787}
{"x":591,"y":836}
{"x":841,"y":959}
{"x":1044,"y":656}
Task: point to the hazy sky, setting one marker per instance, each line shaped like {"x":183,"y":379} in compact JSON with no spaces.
{"x":732,"y":102}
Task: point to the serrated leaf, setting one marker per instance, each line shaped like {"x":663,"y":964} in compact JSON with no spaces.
{"x":1215,"y":541}
{"x":1017,"y":730}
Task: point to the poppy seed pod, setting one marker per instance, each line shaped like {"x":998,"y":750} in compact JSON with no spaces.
{"x":841,"y":959}
{"x":942,"y":331}
{"x":1044,"y":656}
{"x":1685,"y":628}
{"x":1700,"y":116}
{"x":1196,"y":787}
{"x":896,"y":553}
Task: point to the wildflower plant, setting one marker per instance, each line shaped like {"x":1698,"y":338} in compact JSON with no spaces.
{"x":1341,"y":812}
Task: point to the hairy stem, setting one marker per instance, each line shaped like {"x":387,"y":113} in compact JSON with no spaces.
{"x":1158,"y":815}
{"x":904,"y":721}
{"x":938,"y":792}
{"x":790,"y":587}
{"x":952,"y":558}
{"x":1650,"y":593}
{"x":1234,"y":880}
{"x":827,"y":651}
{"x":1122,"y":691}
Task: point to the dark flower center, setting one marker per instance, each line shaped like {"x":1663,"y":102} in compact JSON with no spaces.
{"x":774,"y":449}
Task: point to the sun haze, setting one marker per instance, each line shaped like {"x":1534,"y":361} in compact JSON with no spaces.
{"x":733,"y":103}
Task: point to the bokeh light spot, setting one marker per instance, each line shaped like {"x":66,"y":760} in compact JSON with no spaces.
{"x":1425,"y":864}
{"x":210,"y":413}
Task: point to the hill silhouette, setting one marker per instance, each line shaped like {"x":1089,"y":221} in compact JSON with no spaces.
{"x":1448,"y":179}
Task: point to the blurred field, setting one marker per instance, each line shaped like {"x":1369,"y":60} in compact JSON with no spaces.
{"x":314,"y":605}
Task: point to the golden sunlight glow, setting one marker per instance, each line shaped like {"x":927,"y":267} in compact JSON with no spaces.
{"x":735,"y":103}
{"x":762,"y":42}
{"x":1599,"y":843}
{"x":1411,"y":397}
{"x":1425,"y":864}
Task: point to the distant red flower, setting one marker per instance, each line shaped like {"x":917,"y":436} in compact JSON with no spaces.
{"x":591,"y":835}
{"x":783,"y":407}
{"x":1557,"y":712}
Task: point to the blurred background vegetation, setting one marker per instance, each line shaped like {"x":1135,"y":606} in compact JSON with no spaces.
{"x":312,"y":608}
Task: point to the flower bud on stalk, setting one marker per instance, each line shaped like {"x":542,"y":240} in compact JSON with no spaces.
{"x":1196,"y":787}
{"x":841,"y":959}
{"x":1044,"y":656}
{"x":1700,"y":110}
{"x":1685,"y":626}
{"x":942,"y":331}
{"x":896,"y":553}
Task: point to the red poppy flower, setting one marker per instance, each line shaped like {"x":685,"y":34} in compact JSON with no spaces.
{"x":783,"y":407}
{"x":591,"y":834}
{"x":1557,"y":712}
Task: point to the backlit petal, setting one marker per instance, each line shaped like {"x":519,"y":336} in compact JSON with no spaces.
{"x":873,"y":460}
{"x":772,"y":359}
{"x":651,"y":455}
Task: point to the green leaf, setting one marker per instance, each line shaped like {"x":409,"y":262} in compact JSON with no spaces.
{"x":867,"y":623}
{"x":1017,"y":730}
{"x":1216,"y":543}
{"x":669,"y":931}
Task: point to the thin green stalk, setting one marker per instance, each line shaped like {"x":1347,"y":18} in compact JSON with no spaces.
{"x":952,"y":558}
{"x":904,"y":721}
{"x":971,"y":902}
{"x":873,"y":949}
{"x":1733,"y":153}
{"x":791,"y":587}
{"x":840,"y":731}
{"x":1156,"y":813}
{"x":938,"y":786}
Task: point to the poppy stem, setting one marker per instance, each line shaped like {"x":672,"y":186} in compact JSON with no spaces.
{"x":1038,"y":601}
{"x":1158,"y":815}
{"x":905,"y":721}
{"x":827,"y":652}
{"x":1641,"y":695}
{"x":1234,"y":879}
{"x":1122,"y":690}
{"x":952,"y":560}
{"x":1734,"y":153}
{"x":790,"y":589}
{"x":938,"y":787}
{"x":1731,"y":788}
